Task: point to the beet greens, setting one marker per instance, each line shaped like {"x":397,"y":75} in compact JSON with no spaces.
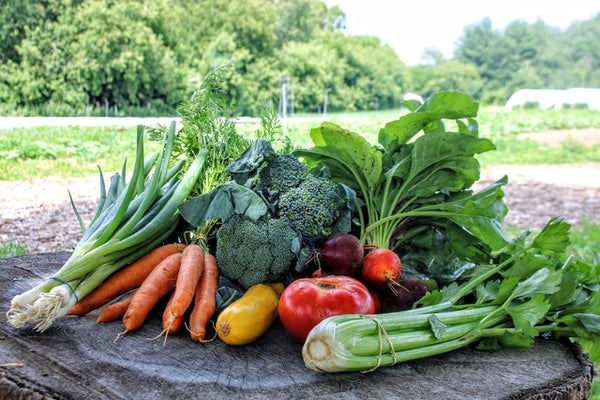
{"x":414,"y":189}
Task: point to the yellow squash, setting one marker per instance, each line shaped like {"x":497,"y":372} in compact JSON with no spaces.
{"x":246,"y":319}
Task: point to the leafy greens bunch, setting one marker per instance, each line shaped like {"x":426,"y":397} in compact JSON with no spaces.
{"x":413,"y":187}
{"x":531,"y":290}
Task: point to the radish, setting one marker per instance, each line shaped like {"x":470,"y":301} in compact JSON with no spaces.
{"x":382,"y":267}
{"x":339,"y":254}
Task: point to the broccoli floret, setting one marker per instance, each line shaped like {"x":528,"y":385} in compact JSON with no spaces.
{"x":314,"y":207}
{"x":251,"y":252}
{"x":281,"y":174}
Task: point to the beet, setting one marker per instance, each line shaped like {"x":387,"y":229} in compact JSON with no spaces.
{"x":381,"y":267}
{"x":403,"y":297}
{"x":340,"y":254}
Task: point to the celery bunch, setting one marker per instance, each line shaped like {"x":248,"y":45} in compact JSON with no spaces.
{"x":131,"y":219}
{"x":532,"y":289}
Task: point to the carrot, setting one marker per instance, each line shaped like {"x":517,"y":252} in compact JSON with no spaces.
{"x":125,"y":279}
{"x":192,"y":265}
{"x":205,"y":302}
{"x":160,"y":282}
{"x":114,"y":311}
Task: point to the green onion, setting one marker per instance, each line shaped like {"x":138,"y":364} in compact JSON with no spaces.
{"x":131,"y":219}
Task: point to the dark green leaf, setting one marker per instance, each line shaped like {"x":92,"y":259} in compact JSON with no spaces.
{"x":445,"y":105}
{"x":250,"y":160}
{"x":348,"y":148}
{"x":221,"y":203}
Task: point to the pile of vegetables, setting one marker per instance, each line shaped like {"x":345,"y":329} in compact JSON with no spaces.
{"x":132,"y":218}
{"x":369,"y":254}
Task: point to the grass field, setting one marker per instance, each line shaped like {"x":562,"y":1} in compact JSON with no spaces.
{"x":27,"y":153}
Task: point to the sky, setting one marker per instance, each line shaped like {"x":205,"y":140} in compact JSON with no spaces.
{"x":409,"y":27}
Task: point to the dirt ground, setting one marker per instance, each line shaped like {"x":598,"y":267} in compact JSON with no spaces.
{"x":38,"y":214}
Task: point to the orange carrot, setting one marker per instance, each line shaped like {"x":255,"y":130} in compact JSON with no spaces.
{"x":171,"y":323}
{"x":114,"y":311}
{"x":160,"y":282}
{"x":192,"y":265}
{"x":124,"y":280}
{"x":205,"y":302}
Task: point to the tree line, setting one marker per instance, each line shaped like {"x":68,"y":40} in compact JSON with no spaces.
{"x":64,"y":56}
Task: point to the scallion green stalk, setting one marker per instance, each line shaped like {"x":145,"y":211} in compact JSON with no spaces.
{"x":131,"y":220}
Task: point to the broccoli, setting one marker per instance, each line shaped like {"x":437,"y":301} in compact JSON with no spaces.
{"x":281,"y":174}
{"x":315,"y":207}
{"x":251,"y":252}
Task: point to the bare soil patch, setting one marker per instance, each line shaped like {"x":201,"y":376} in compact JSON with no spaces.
{"x":587,"y":137}
{"x":38,"y":214}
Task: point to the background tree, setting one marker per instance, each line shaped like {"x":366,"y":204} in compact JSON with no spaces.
{"x":72,"y":56}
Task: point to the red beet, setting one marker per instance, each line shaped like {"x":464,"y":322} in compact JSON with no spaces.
{"x":405,"y":295}
{"x":340,"y":254}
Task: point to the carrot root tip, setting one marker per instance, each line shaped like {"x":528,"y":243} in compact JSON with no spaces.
{"x":120,"y":334}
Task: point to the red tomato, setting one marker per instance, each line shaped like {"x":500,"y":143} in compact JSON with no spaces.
{"x":306,"y":302}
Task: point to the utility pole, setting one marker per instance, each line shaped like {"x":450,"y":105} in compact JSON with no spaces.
{"x":283,"y":103}
{"x":291,"y":97}
{"x":325,"y":99}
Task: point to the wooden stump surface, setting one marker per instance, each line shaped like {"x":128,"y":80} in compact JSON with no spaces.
{"x":79,"y":359}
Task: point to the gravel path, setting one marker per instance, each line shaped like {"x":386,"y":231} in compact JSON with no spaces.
{"x":37,"y":213}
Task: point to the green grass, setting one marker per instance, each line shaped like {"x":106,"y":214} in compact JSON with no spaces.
{"x":12,"y":249}
{"x":27,"y":153}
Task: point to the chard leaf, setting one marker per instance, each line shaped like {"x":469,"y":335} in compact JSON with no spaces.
{"x":221,"y":203}
{"x":336,"y":146}
{"x":444,"y":105}
{"x":453,"y":175}
{"x":481,"y":214}
{"x":433,"y":148}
